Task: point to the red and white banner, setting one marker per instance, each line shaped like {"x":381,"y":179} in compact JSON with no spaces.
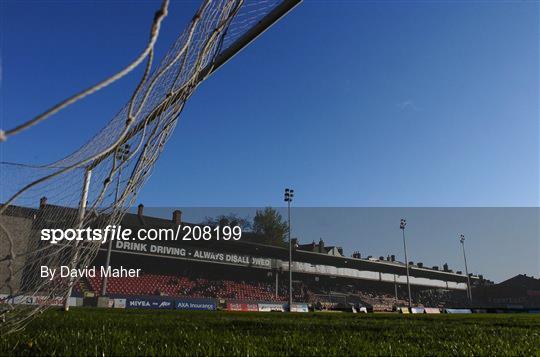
{"x":242,"y":306}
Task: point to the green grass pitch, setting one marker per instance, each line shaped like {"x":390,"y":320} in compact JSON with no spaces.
{"x":86,"y":331}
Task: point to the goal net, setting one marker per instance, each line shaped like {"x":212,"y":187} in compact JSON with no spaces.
{"x":96,"y":184}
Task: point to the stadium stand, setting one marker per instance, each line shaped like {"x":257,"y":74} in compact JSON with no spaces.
{"x":247,"y":271}
{"x":315,"y":293}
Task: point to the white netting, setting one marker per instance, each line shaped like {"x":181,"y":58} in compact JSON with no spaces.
{"x":114,"y":164}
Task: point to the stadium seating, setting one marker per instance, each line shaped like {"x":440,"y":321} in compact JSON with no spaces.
{"x":168,"y":285}
{"x":148,"y":284}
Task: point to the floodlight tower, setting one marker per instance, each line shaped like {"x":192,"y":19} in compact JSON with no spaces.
{"x":289,"y":194}
{"x":402,"y":225}
{"x":469,"y":290}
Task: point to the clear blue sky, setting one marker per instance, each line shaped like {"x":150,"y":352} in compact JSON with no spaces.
{"x":352,"y":103}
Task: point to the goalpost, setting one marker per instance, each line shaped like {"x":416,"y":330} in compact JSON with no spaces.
{"x":86,"y":188}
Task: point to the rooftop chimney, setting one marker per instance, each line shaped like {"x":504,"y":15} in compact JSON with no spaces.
{"x":177,"y":217}
{"x":321,"y":246}
{"x":140,"y":210}
{"x":42,"y":202}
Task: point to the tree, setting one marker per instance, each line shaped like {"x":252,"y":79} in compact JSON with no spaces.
{"x":270,"y":228}
{"x":230,"y":219}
